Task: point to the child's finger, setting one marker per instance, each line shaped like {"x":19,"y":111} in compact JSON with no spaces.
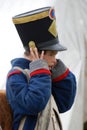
{"x":32,"y":53}
{"x":42,"y":55}
{"x":36,"y":53}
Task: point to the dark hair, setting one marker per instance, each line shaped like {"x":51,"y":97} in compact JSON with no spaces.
{"x":27,"y":53}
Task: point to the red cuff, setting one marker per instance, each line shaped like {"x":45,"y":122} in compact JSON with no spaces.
{"x":40,"y":71}
{"x":61,"y":76}
{"x":14,"y":72}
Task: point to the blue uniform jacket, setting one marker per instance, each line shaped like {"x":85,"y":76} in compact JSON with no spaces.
{"x":28,"y":99}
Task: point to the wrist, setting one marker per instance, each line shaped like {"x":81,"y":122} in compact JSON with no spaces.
{"x":38,"y":64}
{"x":59,"y":71}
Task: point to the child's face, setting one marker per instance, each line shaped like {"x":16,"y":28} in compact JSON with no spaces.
{"x":49,"y":56}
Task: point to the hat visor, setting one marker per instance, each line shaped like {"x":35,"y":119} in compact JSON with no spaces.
{"x":55,"y":47}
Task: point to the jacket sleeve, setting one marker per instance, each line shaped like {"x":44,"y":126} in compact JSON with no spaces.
{"x":63,"y":87}
{"x":29,"y":98}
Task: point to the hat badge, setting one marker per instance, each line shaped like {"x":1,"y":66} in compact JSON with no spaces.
{"x":31,"y":44}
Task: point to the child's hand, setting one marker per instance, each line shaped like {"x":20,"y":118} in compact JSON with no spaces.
{"x":35,"y":55}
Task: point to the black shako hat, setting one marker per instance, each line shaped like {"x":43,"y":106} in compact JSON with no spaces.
{"x":38,"y":26}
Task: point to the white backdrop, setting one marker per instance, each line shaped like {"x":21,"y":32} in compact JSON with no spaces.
{"x":71,"y":27}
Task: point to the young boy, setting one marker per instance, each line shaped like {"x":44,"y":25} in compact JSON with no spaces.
{"x":47,"y":75}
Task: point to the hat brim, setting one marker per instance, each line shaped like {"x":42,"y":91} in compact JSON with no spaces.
{"x":55,"y":47}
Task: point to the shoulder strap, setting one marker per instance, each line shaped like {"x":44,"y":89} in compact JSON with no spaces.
{"x":49,"y":118}
{"x":55,"y":120}
{"x":24,"y":71}
{"x":44,"y":117}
